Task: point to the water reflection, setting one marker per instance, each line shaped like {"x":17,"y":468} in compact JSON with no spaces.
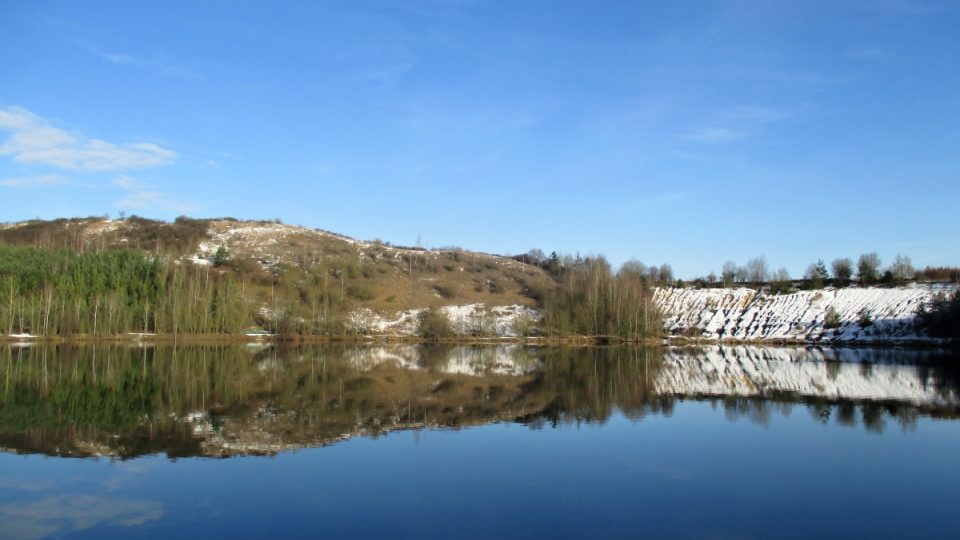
{"x":221,"y":401}
{"x":59,"y":515}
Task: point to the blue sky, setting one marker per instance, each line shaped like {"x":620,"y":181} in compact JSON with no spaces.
{"x":682,"y":132}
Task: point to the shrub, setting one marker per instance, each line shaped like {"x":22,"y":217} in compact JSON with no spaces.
{"x":359,"y":292}
{"x":832,"y":318}
{"x":434,"y":325}
{"x":444,"y":291}
{"x":941,"y":316}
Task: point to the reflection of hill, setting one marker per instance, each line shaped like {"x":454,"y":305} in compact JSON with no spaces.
{"x":223,"y":401}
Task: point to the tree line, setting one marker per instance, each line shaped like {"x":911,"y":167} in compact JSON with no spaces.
{"x":585,"y":296}
{"x":62,"y":292}
{"x":841,"y":272}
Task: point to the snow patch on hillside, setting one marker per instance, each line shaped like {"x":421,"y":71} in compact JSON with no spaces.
{"x":466,"y":320}
{"x":744,"y":314}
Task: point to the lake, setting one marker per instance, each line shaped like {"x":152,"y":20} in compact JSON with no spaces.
{"x":507,"y":441}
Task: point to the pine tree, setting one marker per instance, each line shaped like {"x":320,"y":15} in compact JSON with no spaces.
{"x":221,"y":257}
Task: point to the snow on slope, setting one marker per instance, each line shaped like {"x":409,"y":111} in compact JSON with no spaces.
{"x":755,"y":371}
{"x":744,"y":314}
{"x":467,"y":320}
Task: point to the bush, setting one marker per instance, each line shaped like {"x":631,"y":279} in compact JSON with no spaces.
{"x":832,"y":318}
{"x":359,"y":292}
{"x":434,"y":325}
{"x":444,"y":291}
{"x":866,"y":318}
{"x":941,"y":316}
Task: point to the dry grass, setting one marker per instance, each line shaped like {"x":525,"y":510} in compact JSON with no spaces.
{"x":268,"y":254}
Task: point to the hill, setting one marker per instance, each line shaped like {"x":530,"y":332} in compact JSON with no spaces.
{"x":95,"y":276}
{"x":298,"y":273}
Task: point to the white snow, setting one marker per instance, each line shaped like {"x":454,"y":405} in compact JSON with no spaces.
{"x":465,"y":320}
{"x":755,"y":371}
{"x":200,"y":261}
{"x":745,"y":315}
{"x":401,"y":323}
{"x":504,"y":359}
{"x":499,"y":360}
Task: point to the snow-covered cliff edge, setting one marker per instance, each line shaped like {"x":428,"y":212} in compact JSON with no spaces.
{"x":862,"y":314}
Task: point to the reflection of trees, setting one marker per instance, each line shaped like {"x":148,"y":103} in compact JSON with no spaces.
{"x":222,"y":400}
{"x":587,"y":384}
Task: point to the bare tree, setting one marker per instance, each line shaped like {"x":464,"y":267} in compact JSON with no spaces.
{"x":633,"y":268}
{"x":757,"y":270}
{"x":666,"y":273}
{"x":842,"y":271}
{"x":742,"y":274}
{"x":780,"y":281}
{"x":868,"y":268}
{"x":901,"y":269}
{"x":729,"y":273}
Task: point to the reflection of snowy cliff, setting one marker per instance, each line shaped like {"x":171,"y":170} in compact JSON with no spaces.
{"x":743,"y":314}
{"x":757,"y":371}
{"x":463,"y":360}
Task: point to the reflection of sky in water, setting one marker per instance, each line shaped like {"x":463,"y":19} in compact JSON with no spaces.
{"x":691,"y":473}
{"x":62,"y":514}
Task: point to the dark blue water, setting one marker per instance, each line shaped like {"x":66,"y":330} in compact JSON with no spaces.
{"x":697,"y":467}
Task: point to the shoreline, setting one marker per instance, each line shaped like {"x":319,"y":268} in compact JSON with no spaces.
{"x":576,"y":341}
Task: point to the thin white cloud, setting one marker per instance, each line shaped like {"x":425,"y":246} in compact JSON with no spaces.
{"x":139,"y":196}
{"x":34,"y":140}
{"x":753,"y":113}
{"x":158,"y":64}
{"x":31,"y":181}
{"x":735,"y":123}
{"x":713,"y":135}
{"x":127,"y":183}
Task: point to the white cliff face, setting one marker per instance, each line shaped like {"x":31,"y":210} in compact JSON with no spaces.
{"x":758,"y":371}
{"x":745,"y":315}
{"x":467,"y":320}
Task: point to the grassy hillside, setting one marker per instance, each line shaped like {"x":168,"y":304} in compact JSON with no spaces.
{"x":266,"y":255}
{"x":220,"y":276}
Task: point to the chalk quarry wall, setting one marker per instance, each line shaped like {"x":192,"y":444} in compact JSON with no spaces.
{"x":743,"y":314}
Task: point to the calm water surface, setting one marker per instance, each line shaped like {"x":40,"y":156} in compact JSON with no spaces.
{"x":477,"y":442}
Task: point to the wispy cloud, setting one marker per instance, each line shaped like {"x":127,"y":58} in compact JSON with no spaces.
{"x":31,"y":181}
{"x":140,"y":196}
{"x":157,"y":63}
{"x":655,"y":200}
{"x":33,"y":139}
{"x":713,"y":135}
{"x":734,"y":123}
